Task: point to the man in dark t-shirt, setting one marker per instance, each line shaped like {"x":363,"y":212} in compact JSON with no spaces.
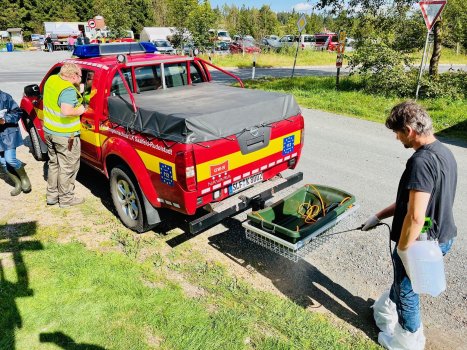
{"x":426,"y":189}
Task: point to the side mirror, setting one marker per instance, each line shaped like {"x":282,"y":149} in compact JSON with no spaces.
{"x":32,"y":91}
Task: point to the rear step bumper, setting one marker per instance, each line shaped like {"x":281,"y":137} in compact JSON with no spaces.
{"x":255,"y":195}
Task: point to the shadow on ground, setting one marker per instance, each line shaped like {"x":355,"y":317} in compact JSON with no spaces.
{"x":65,"y":342}
{"x":14,"y":239}
{"x":301,"y":282}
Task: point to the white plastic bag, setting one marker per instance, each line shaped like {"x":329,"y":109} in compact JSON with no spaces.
{"x":402,"y":339}
{"x":385,"y":313}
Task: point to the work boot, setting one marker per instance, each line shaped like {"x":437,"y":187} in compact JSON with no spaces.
{"x":25,"y":183}
{"x":16,"y":181}
{"x":74,"y":201}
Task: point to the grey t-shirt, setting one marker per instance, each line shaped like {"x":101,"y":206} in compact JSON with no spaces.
{"x":421,"y":174}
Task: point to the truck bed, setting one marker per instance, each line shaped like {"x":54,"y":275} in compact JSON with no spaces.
{"x":200,"y":112}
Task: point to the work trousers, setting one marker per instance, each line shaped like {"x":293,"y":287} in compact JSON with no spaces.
{"x":63,"y":168}
{"x":406,"y":300}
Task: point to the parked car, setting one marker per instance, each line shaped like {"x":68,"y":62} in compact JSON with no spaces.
{"x":287,"y":40}
{"x":273,"y":37}
{"x":164,"y":46}
{"x":222,"y":47}
{"x":244,"y":45}
{"x":326,"y":41}
{"x":269,"y":44}
{"x":307,"y":41}
{"x":37,"y":40}
{"x":220,"y":35}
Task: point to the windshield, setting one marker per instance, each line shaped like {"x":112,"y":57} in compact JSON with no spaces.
{"x":161,"y":43}
{"x":224,"y":34}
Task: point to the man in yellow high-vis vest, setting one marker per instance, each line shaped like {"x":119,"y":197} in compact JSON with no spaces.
{"x":63,"y":105}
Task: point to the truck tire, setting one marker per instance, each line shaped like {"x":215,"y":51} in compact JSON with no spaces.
{"x":36,"y":144}
{"x":127,"y":199}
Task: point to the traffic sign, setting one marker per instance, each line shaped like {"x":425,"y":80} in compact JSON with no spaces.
{"x":91,"y":24}
{"x":342,"y":40}
{"x":431,"y":9}
{"x":301,"y":23}
{"x":339,"y":60}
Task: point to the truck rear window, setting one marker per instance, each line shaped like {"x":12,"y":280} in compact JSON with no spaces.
{"x":118,"y":87}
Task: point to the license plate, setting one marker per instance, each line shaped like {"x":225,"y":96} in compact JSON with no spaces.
{"x":244,"y":183}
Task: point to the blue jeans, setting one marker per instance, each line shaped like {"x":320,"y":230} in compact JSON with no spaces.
{"x":9,"y":157}
{"x":406,"y":300}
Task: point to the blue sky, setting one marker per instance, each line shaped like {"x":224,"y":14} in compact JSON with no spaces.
{"x":276,"y":5}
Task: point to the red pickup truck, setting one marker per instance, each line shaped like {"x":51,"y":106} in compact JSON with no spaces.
{"x":168,"y":137}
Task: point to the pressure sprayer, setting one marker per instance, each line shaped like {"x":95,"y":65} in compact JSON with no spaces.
{"x":425,"y":261}
{"x":426,"y":266}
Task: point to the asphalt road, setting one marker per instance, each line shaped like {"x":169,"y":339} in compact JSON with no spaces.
{"x":365,"y":159}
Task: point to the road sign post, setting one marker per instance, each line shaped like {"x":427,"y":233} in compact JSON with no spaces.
{"x":301,"y":23}
{"x":431,"y":10}
{"x":340,"y":54}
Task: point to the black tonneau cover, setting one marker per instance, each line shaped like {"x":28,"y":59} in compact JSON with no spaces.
{"x":202,"y":112}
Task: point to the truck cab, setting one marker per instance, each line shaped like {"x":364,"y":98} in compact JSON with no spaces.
{"x":166,"y":136}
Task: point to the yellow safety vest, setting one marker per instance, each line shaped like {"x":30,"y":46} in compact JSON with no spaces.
{"x":54,"y":120}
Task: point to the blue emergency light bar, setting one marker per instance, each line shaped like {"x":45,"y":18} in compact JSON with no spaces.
{"x":112,"y":49}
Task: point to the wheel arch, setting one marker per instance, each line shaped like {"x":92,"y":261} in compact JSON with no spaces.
{"x":120,"y":152}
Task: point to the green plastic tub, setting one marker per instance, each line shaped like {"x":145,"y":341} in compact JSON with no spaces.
{"x":293,"y":218}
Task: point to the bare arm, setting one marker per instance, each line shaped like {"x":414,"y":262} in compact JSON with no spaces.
{"x":414,"y":219}
{"x":69,"y":110}
{"x":386,"y":212}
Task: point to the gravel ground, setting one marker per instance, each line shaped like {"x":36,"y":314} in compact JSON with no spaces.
{"x":345,"y":275}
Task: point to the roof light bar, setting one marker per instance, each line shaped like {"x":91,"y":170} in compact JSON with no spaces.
{"x":111,"y":49}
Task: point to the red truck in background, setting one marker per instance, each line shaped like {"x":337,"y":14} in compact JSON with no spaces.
{"x":167,"y":137}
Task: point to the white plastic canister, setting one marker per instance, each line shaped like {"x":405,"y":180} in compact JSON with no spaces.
{"x":426,"y":266}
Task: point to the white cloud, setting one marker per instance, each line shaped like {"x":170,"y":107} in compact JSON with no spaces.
{"x":303,"y":7}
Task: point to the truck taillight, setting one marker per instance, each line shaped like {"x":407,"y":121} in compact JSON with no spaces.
{"x":185,"y":169}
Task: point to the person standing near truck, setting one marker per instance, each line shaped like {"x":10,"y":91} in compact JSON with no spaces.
{"x":426,"y":189}
{"x":10,"y":138}
{"x":63,"y":105}
{"x":49,"y":43}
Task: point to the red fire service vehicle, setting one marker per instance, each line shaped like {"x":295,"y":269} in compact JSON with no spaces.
{"x":167,"y":137}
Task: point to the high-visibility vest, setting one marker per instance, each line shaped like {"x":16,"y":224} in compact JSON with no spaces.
{"x":54,"y":120}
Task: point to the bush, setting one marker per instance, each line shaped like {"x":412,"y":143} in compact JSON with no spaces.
{"x":386,"y":71}
{"x":452,"y":85}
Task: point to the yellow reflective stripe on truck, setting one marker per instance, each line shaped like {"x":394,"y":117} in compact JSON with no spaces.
{"x":237,"y":159}
{"x":152,"y":163}
{"x":94,"y":138}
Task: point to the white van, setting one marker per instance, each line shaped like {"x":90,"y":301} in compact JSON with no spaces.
{"x":220,"y":35}
{"x":307,"y":41}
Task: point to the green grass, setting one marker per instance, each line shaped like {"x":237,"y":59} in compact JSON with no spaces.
{"x":311,"y":58}
{"x":66,"y":295}
{"x":449,"y":116}
{"x":448,"y":56}
{"x":304,"y":58}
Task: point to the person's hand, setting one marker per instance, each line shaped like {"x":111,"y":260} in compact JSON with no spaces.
{"x":2,"y":121}
{"x":370,"y":223}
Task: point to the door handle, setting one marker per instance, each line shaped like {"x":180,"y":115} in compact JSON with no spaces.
{"x":87,"y":125}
